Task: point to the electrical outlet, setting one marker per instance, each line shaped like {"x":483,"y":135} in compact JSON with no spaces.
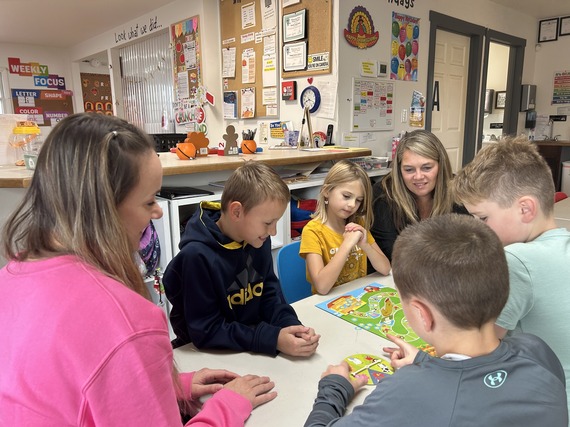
{"x":404,"y":115}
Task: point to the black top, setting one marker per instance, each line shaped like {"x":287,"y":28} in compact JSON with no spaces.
{"x":384,"y":229}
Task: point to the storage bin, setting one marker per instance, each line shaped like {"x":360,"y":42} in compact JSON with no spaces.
{"x":371,"y":162}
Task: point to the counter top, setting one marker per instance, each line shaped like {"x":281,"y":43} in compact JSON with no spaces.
{"x":553,"y":143}
{"x":20,"y":177}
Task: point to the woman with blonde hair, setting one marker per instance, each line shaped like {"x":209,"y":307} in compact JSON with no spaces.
{"x":82,"y":344}
{"x":416,"y":188}
{"x":336,"y":243}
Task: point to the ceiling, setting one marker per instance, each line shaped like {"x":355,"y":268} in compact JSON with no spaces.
{"x":537,"y":8}
{"x":64,"y":23}
{"x":73,"y":21}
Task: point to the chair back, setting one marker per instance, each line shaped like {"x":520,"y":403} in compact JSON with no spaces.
{"x":291,"y":272}
{"x":559,"y":195}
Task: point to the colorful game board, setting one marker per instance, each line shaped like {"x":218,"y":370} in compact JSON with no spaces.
{"x":374,"y":367}
{"x":377,"y":309}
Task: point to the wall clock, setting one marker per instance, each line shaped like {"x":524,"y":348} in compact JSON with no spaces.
{"x":311,"y":98}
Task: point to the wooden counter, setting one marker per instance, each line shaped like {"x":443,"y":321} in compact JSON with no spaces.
{"x":20,"y":177}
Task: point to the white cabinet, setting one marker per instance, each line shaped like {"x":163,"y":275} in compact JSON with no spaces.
{"x":180,"y":210}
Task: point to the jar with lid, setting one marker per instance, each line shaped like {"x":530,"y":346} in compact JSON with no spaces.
{"x":25,"y":141}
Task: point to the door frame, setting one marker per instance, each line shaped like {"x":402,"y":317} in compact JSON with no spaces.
{"x":476,"y":34}
{"x":514,"y":80}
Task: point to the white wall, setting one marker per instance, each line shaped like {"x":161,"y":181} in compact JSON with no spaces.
{"x":345,"y":59}
{"x":550,"y":57}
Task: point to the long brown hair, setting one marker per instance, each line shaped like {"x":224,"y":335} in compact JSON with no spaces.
{"x":404,"y":208}
{"x":86,"y":167}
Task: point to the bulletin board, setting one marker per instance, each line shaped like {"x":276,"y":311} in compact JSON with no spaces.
{"x":249,"y":37}
{"x":319,"y":20}
{"x":185,"y":38}
{"x":372,"y":105}
{"x":45,"y":107}
{"x":97,"y":96}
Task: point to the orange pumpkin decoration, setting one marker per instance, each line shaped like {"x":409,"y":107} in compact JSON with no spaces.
{"x":248,"y":146}
{"x":186,"y":150}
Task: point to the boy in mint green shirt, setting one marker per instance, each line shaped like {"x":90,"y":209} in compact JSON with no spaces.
{"x":509,"y":186}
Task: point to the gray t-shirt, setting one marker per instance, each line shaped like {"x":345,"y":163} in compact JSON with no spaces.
{"x":520,"y":384}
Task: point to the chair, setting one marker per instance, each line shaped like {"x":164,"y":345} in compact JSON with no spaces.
{"x":559,"y":195}
{"x":291,"y":272}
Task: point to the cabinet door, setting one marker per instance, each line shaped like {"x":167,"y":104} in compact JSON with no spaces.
{"x":552,"y":155}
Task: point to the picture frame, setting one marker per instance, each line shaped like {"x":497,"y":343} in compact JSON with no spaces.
{"x":295,"y":56}
{"x":295,"y":26}
{"x":501,"y":99}
{"x":564,"y":24}
{"x":548,"y":30}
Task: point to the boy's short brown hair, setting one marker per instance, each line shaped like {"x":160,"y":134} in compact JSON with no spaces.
{"x":504,"y":171}
{"x":455,"y":262}
{"x":252,"y":184}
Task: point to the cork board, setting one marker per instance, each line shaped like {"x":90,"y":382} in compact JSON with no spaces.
{"x":185,"y":36}
{"x":319,"y":17}
{"x":97,"y":96}
{"x":45,"y":107}
{"x":246,"y":47}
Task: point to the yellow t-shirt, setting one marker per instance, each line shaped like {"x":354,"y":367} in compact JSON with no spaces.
{"x":320,"y":239}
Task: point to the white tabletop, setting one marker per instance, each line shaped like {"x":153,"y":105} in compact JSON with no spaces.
{"x":562,"y":213}
{"x":296,"y":378}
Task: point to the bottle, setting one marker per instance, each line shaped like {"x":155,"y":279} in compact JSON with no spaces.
{"x":26,"y":142}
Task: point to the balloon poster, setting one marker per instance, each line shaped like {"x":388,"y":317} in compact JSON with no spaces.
{"x":405,"y":47}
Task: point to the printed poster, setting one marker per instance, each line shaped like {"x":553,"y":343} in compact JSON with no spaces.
{"x":405,"y":47}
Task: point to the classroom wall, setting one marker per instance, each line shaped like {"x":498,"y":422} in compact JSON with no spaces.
{"x":345,"y":59}
{"x":551,"y":57}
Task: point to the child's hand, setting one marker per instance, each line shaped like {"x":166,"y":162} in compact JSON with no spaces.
{"x":254,"y":388}
{"x":352,"y":237}
{"x":403,"y":355}
{"x":208,"y":381}
{"x":343,"y":370}
{"x":297,"y":340}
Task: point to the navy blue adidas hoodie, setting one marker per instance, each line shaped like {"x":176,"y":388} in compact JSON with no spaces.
{"x":224,"y":294}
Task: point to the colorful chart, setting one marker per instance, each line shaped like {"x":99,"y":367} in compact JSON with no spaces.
{"x":377,"y":309}
{"x":374,"y":367}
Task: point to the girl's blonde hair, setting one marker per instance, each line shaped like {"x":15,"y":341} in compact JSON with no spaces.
{"x":404,"y":208}
{"x":343,"y":172}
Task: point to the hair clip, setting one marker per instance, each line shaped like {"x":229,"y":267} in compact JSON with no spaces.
{"x":115,"y":133}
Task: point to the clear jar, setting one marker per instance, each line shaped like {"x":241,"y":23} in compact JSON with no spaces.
{"x":25,"y":140}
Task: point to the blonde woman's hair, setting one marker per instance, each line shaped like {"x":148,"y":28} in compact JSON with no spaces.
{"x":252,"y":184}
{"x":402,"y":201}
{"x":340,"y":173}
{"x":503,"y":172}
{"x":87,"y":166}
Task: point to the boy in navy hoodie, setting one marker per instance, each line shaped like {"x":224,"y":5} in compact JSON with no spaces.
{"x":222,"y":286}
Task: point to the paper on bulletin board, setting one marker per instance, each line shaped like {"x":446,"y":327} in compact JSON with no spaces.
{"x":248,"y":16}
{"x":269,"y":70}
{"x":351,"y":139}
{"x":269,"y":14}
{"x":248,"y":66}
{"x":247,"y":103}
{"x":328,"y":91}
{"x":230,"y":104}
{"x":229,"y":62}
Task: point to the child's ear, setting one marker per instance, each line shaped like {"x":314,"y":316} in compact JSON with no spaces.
{"x":528,"y":207}
{"x":424,"y":313}
{"x":235,"y":210}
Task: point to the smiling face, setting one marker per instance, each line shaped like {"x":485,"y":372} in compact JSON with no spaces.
{"x":260,"y":222}
{"x":345,"y":199}
{"x":139,"y":207}
{"x":419,"y":173}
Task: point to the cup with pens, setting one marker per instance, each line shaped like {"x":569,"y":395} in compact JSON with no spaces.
{"x":248,"y":145}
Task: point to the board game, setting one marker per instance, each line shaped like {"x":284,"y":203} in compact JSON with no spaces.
{"x":377,"y":309}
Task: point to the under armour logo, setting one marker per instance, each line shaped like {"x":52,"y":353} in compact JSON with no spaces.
{"x":495,"y":379}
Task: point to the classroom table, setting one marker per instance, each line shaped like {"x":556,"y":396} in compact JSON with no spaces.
{"x":562,"y":213}
{"x":296,"y":378}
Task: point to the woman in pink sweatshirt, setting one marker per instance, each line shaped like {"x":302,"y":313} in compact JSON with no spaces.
{"x":82,"y":344}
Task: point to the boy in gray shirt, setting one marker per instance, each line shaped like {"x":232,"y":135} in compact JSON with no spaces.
{"x":452,"y":276}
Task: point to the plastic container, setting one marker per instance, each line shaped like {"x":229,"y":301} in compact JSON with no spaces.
{"x":371,"y":162}
{"x":25,"y":141}
{"x":565,"y":185}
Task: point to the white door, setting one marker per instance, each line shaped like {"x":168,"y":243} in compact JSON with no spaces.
{"x":450,"y":93}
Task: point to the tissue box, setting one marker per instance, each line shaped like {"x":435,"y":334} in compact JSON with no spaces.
{"x":371,"y":162}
